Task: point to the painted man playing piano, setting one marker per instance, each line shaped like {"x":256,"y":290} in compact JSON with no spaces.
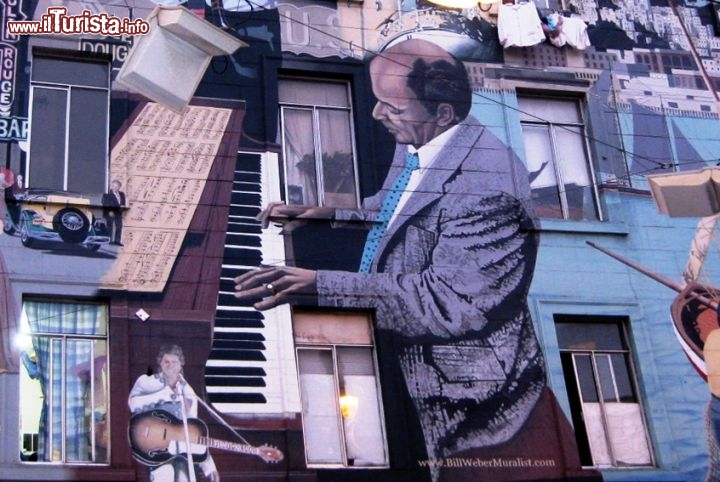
{"x":448,"y":261}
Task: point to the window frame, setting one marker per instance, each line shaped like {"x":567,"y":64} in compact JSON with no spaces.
{"x":552,"y":127}
{"x":65,"y":339}
{"x":332,"y":347}
{"x":67,"y":88}
{"x":555,"y":5}
{"x":621,"y":323}
{"x":315,"y":109}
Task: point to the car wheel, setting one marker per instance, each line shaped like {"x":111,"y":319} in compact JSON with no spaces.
{"x":8,"y":226}
{"x":25,"y":238}
{"x":72,"y":225}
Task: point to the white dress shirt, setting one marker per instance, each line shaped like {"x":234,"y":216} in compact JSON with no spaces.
{"x":519,"y":25}
{"x":426,"y":157}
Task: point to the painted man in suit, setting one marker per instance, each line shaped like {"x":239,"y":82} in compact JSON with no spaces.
{"x":113,"y":202}
{"x":451,"y":273}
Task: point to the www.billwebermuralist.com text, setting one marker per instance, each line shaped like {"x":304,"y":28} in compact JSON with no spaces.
{"x":493,"y":463}
{"x":57,"y":22}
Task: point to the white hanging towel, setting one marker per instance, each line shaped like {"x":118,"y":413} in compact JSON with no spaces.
{"x":575,"y":31}
{"x":519,"y":25}
{"x":572,"y":31}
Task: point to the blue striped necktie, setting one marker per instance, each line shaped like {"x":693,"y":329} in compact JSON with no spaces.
{"x":387,"y":209}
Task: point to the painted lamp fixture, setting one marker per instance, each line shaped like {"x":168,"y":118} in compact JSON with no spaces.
{"x":167,"y":64}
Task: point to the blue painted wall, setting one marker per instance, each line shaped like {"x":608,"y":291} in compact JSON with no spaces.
{"x":574,"y":278}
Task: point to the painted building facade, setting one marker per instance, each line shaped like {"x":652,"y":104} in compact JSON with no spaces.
{"x":343,"y":316}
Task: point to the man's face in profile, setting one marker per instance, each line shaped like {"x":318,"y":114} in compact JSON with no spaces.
{"x":398,"y":109}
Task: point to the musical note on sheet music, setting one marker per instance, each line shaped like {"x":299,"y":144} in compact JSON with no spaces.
{"x":164,"y":159}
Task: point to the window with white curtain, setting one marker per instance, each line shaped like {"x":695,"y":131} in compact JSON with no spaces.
{"x":69,"y":115}
{"x":556,"y":154}
{"x":318,"y":143}
{"x":342,"y":414}
{"x":607,"y":415}
{"x":64,"y":382}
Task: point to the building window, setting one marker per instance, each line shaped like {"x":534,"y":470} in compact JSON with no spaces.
{"x":602,"y":390}
{"x":561,"y":176}
{"x":69,"y":111}
{"x":64,"y":382}
{"x":342,"y":414}
{"x":318,"y":143}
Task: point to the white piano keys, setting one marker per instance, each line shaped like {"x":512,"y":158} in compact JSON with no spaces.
{"x":262,"y":378}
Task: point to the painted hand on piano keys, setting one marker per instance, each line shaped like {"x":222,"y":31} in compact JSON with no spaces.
{"x":292,"y":217}
{"x":269,"y":287}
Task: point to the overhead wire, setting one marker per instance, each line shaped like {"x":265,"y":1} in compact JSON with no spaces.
{"x":583,"y":131}
{"x":659,"y":165}
{"x":476,"y":93}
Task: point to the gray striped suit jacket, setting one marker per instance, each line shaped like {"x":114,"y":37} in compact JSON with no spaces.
{"x":451,"y":279}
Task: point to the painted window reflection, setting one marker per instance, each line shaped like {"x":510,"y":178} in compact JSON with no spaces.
{"x":342,"y":415}
{"x":557,"y":160}
{"x":606,"y":410}
{"x":69,"y":124}
{"x":318,"y":146}
{"x":64,"y":382}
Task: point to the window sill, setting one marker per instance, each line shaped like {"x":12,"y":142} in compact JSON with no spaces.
{"x":596,"y":227}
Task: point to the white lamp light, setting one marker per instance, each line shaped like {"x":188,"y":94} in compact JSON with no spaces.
{"x":349,"y":406}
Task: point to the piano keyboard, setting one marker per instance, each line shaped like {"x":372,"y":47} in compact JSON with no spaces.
{"x":251,"y":367}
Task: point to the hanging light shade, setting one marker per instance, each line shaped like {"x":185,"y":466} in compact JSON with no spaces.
{"x":167,"y":64}
{"x":688,"y":193}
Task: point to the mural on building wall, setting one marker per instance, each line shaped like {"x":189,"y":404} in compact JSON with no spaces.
{"x":13,"y":139}
{"x":447,"y":273}
{"x":447,"y":268}
{"x":659,"y":94}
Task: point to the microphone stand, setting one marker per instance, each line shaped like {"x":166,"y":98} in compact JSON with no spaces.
{"x":219,"y":418}
{"x":191,"y":464}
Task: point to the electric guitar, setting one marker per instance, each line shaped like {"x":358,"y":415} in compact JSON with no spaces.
{"x":157,"y":437}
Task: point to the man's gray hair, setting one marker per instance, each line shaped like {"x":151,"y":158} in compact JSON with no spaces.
{"x":171,"y":350}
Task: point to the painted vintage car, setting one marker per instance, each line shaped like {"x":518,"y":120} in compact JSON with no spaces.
{"x":45,"y":215}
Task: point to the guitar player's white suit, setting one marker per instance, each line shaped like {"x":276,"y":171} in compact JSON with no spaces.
{"x":151,"y":392}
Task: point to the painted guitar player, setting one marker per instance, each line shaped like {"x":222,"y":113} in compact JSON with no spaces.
{"x":165,"y":423}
